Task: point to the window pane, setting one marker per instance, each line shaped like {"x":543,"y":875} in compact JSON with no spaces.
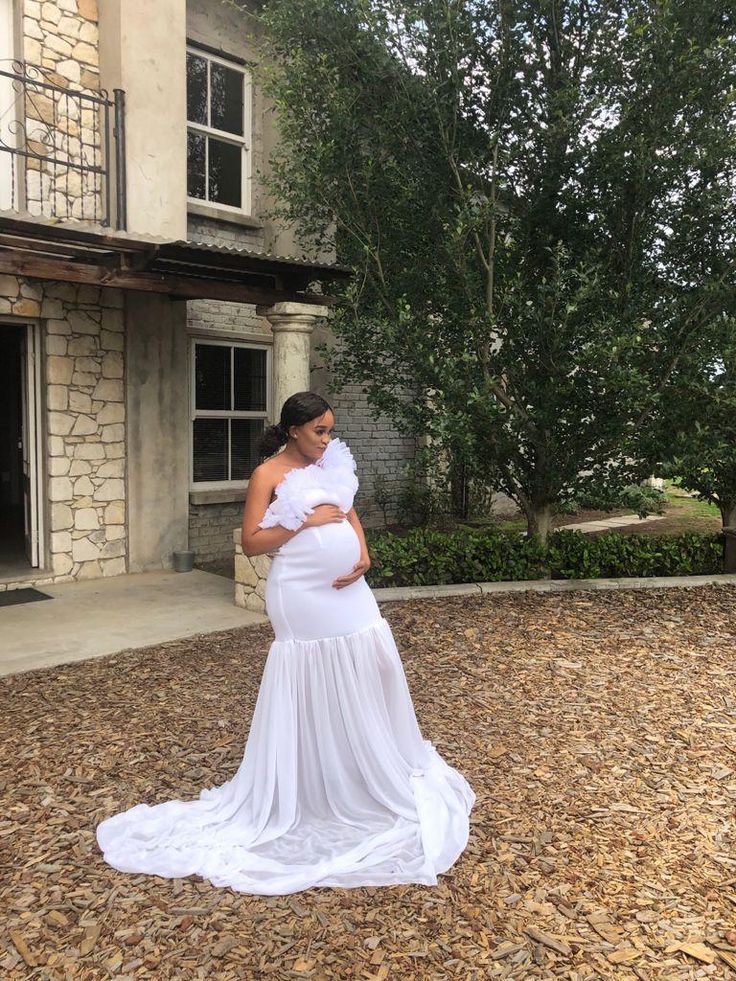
{"x":196,"y":150}
{"x":225,"y":170}
{"x":212,"y":376}
{"x":210,"y":449}
{"x":196,"y":89}
{"x":245,"y":434}
{"x":250,"y":380}
{"x":226,"y":99}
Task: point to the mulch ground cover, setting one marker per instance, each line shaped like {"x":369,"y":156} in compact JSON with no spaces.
{"x":597,"y":729}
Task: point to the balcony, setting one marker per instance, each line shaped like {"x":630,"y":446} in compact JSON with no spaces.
{"x":62,"y":152}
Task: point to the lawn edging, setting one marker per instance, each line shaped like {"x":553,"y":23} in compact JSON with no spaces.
{"x":387,"y":594}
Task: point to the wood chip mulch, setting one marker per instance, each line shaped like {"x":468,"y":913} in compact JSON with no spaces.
{"x":597,"y":729}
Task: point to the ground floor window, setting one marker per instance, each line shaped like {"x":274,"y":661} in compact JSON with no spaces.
{"x":230,"y":397}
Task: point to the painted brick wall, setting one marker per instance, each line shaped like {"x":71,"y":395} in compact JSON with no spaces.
{"x":378,"y":449}
{"x":211,"y":530}
{"x":216,"y":315}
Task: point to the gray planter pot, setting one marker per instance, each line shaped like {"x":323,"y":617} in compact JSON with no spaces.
{"x":183,"y":561}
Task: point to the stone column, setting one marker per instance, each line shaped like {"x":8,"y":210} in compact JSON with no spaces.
{"x":292,"y":325}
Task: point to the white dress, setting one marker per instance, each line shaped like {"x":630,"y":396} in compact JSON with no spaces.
{"x":336,"y":787}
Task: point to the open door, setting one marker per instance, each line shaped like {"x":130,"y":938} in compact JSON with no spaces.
{"x":29,"y":444}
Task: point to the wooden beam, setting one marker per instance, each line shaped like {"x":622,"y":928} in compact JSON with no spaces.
{"x":68,"y":249}
{"x":182,"y":287}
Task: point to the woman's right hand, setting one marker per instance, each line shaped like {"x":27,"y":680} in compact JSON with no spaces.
{"x":324,"y":514}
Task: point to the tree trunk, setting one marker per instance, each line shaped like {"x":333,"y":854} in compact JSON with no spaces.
{"x":728,"y":514}
{"x":539,"y":521}
{"x":458,"y":488}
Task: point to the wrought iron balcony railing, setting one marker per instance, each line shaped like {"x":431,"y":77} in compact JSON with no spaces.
{"x":62,"y":152}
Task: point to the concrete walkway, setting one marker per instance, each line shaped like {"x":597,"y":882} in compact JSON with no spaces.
{"x":606,"y":524}
{"x":397,"y":593}
{"x":101,"y":616}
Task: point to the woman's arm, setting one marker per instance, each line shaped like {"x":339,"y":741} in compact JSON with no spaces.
{"x":261,"y":541}
{"x":364,"y":563}
{"x":255,"y":540}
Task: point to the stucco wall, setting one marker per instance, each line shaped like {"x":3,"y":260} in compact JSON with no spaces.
{"x":142,"y":51}
{"x":158,"y":421}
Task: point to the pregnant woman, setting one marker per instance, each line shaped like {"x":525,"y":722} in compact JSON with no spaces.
{"x":337,"y":787}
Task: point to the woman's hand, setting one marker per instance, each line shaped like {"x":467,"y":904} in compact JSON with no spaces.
{"x":359,"y":569}
{"x":324,"y":514}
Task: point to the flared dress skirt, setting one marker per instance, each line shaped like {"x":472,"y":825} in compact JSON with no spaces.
{"x":337,"y":786}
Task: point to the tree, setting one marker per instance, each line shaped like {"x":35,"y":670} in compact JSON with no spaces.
{"x":510,"y":181}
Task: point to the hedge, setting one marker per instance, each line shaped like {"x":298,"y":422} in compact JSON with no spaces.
{"x":425,"y":557}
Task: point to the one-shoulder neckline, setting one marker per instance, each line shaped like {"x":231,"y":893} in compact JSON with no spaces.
{"x":317,"y":463}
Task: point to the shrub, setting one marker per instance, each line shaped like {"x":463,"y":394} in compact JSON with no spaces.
{"x":640,"y":498}
{"x":428,"y":557}
{"x":574,"y":555}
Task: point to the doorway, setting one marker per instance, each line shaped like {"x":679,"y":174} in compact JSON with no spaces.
{"x":19,"y":504}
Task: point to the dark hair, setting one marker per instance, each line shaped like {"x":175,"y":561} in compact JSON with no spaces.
{"x":299,"y":408}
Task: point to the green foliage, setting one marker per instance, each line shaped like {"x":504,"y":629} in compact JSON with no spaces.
{"x":574,"y":555}
{"x":642,"y":499}
{"x":430,"y":557}
{"x":538,"y":204}
{"x":382,"y":495}
{"x":696,"y":438}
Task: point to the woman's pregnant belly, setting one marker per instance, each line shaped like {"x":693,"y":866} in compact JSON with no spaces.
{"x":300,"y":598}
{"x":321,"y":553}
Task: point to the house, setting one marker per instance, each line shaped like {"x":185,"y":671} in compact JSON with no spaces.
{"x":151,"y":320}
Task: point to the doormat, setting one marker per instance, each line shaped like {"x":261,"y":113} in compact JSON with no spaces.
{"x":14,"y":597}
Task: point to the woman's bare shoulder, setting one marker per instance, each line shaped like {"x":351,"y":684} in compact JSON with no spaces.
{"x":270,"y":472}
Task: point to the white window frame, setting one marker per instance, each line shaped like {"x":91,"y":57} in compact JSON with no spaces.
{"x":244,"y":141}
{"x":194,"y":413}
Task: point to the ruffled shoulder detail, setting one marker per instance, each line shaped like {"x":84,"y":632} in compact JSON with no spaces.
{"x":289,"y":509}
{"x":337,"y":454}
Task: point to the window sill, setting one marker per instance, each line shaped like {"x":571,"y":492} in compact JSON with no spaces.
{"x":228,"y":495}
{"x":202,"y":210}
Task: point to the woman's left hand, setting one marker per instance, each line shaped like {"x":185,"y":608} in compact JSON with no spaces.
{"x":359,"y":569}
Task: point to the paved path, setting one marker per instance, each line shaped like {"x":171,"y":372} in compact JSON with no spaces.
{"x":100,"y":616}
{"x":395,"y":593}
{"x":607,"y":523}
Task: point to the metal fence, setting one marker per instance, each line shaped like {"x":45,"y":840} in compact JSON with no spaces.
{"x":62,"y":152}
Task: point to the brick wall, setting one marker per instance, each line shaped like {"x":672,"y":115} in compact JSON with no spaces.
{"x":378,"y":449}
{"x":211,"y":530}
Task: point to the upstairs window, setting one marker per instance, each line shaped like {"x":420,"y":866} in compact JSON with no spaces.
{"x":218,"y":137}
{"x":230,"y":395}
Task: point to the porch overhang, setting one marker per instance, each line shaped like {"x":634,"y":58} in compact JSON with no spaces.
{"x":182,"y":270}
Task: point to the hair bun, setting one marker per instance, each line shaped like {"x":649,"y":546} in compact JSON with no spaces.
{"x":272,"y":439}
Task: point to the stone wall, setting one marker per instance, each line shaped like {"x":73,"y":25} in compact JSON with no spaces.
{"x":83,"y":344}
{"x":251,"y":573}
{"x":86,"y":429}
{"x":60,"y":38}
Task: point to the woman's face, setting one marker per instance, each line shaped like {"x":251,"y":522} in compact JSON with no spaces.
{"x":312,"y":437}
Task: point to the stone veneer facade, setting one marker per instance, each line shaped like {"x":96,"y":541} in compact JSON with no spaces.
{"x":82,"y":335}
{"x":61,"y":38}
{"x":251,"y":573}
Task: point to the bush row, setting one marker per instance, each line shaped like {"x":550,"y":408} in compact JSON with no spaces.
{"x":425,"y":557}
